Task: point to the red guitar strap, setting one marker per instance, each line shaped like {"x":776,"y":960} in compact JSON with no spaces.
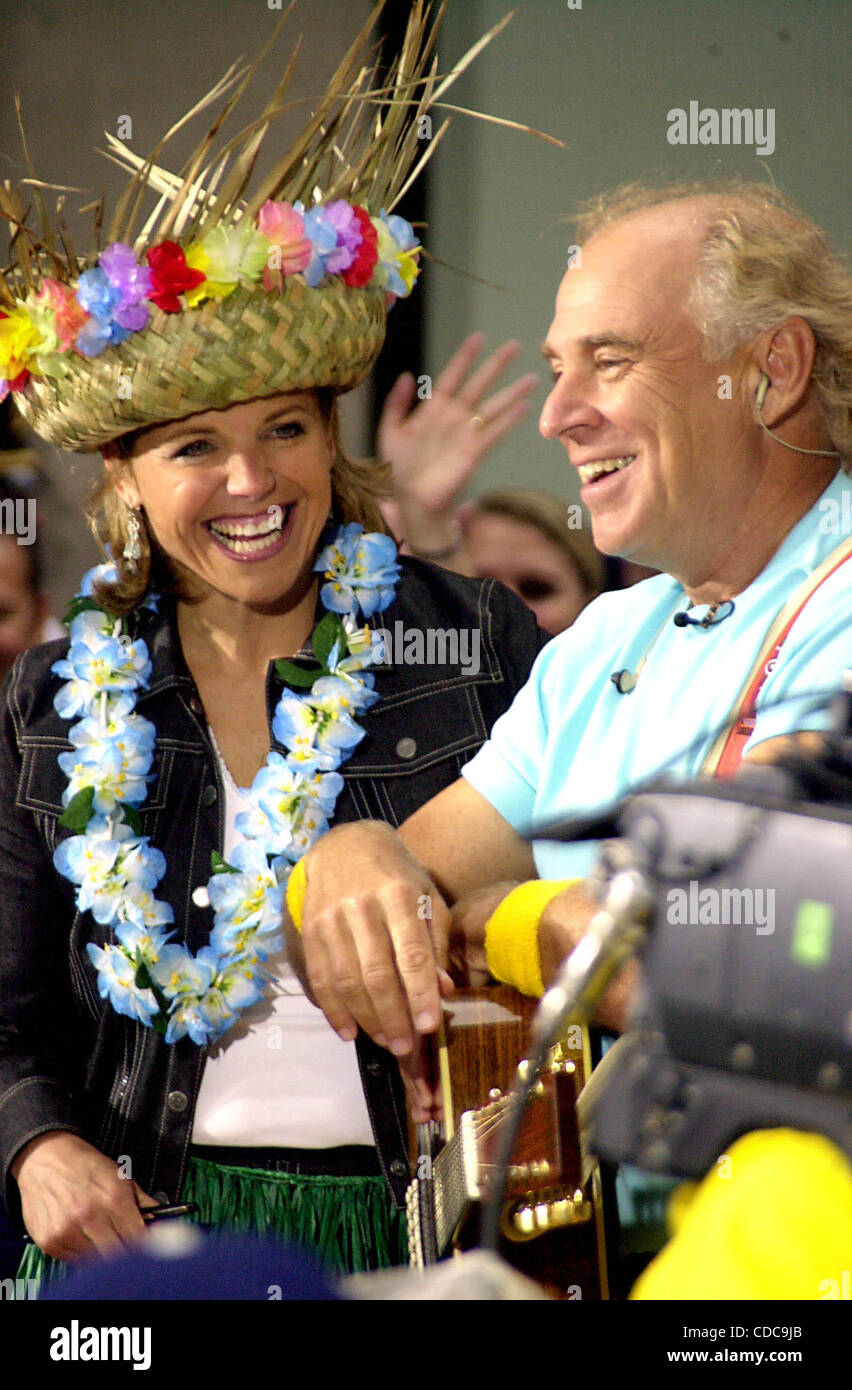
{"x":726,"y":754}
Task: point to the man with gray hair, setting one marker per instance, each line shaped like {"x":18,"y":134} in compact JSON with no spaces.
{"x":701,"y":353}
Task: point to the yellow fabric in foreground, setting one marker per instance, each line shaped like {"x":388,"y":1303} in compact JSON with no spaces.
{"x":772,"y":1220}
{"x":511,"y":935}
{"x":297,"y":885}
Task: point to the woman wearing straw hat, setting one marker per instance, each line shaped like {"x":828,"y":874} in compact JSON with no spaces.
{"x":220,"y":702}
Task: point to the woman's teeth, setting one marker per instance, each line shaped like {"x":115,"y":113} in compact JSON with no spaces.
{"x":256,"y":534}
{"x":589,"y":471}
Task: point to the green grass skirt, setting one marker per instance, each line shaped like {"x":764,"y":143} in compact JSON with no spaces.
{"x":350,"y":1223}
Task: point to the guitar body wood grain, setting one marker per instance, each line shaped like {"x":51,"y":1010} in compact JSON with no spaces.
{"x":486,"y":1033}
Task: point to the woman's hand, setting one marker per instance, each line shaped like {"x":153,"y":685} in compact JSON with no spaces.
{"x":75,"y":1201}
{"x":435,"y":448}
{"x":374,"y":934}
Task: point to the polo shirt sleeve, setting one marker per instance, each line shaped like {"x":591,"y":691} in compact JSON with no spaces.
{"x":810,"y":665}
{"x":507,"y":769}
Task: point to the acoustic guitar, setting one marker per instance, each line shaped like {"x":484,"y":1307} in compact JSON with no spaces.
{"x":551,"y":1226}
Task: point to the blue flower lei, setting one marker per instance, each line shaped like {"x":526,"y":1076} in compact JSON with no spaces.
{"x":142,"y":972}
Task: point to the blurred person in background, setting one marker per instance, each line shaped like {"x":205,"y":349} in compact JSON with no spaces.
{"x":528,"y":540}
{"x":25,"y":616}
{"x":525,"y":539}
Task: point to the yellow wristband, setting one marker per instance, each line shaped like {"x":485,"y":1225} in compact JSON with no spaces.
{"x":297,"y":886}
{"x":511,"y":935}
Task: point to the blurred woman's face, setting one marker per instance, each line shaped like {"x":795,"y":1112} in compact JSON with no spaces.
{"x":524,"y":559}
{"x":238,"y":498}
{"x":22,"y":610}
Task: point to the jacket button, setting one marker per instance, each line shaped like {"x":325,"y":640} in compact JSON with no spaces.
{"x":209,"y":795}
{"x":177,"y":1102}
{"x":398,"y":1168}
{"x":406,"y":748}
{"x":161,"y":1198}
{"x":374,"y":1068}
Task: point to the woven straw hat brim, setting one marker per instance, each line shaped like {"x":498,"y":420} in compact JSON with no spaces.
{"x":249,"y":345}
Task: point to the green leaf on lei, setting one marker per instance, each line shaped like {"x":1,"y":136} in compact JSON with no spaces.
{"x":80,"y":605}
{"x":85,"y":604}
{"x":328,"y":630}
{"x":132,"y":818}
{"x":220,"y":865}
{"x":78,"y":812}
{"x":142,"y":978}
{"x":298,"y":676}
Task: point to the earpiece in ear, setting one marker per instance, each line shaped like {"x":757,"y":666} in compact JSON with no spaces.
{"x":760,"y":397}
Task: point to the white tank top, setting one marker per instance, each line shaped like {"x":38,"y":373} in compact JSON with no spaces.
{"x":280,"y":1077}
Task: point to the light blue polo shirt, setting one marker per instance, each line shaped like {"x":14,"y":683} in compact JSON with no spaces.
{"x":570,"y":743}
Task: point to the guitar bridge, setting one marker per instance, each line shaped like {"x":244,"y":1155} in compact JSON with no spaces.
{"x":549,"y":1210}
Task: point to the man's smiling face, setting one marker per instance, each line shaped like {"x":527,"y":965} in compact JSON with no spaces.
{"x":663,"y":460}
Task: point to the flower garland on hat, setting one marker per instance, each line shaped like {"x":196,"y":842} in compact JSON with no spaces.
{"x":112,"y":300}
{"x":143,"y":973}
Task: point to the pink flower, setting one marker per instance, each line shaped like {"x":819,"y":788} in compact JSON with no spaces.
{"x":70,"y":314}
{"x":284,"y":229}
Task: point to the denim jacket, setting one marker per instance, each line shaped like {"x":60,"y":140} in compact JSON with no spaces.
{"x":67,"y":1060}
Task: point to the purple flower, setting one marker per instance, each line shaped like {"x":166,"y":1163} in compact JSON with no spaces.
{"x":349,"y":235}
{"x":114,"y":294}
{"x":133,"y":283}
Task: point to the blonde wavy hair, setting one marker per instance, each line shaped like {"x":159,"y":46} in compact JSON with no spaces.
{"x":762,"y":261}
{"x":357,"y":487}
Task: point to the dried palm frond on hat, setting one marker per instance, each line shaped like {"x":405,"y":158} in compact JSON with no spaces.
{"x":220,"y":295}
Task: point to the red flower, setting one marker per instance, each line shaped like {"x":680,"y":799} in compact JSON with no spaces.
{"x":360,"y":272}
{"x":171,"y":275}
{"x":17,"y":383}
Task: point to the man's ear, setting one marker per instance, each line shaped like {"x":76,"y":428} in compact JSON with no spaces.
{"x":786,"y":357}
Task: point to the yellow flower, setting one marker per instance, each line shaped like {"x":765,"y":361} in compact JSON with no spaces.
{"x":408,"y":268}
{"x":226,"y":255}
{"x":19,"y":339}
{"x":198,"y":259}
{"x":48,"y":353}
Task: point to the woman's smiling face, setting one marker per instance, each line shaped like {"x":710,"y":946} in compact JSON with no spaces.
{"x":237,"y":498}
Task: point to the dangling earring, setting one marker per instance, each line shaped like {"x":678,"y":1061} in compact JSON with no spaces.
{"x":132,"y":552}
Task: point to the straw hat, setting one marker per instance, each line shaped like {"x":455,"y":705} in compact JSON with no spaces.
{"x":222,"y":297}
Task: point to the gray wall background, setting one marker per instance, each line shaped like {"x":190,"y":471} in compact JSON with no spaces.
{"x":602,"y":79}
{"x":601,"y":75}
